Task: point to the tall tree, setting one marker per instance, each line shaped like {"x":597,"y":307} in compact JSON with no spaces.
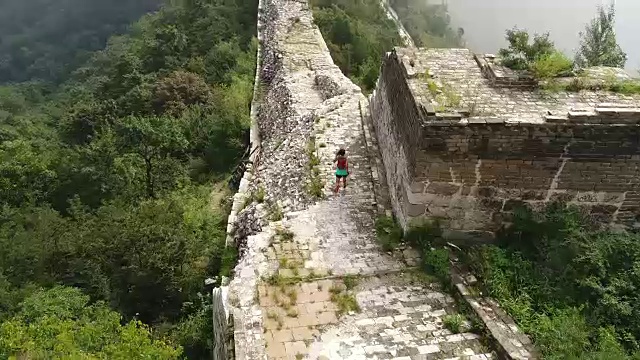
{"x":159,"y":142}
{"x":598,"y":46}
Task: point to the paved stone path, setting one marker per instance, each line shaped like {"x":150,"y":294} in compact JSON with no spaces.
{"x":316,"y":285}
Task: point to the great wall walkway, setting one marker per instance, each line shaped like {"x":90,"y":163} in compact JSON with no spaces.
{"x":315,"y":284}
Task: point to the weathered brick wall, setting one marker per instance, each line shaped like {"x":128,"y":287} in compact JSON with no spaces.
{"x":474,"y":174}
{"x":397,"y":126}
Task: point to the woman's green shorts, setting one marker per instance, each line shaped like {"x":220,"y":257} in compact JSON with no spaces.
{"x":341,"y":173}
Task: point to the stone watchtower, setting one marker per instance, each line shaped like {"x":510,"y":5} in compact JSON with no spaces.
{"x":467,"y":141}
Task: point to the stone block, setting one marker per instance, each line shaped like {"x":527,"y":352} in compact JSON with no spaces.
{"x":612,"y":197}
{"x":468,"y":237}
{"x":494,"y":121}
{"x":466,"y":190}
{"x":511,"y":205}
{"x":533,"y":195}
{"x":486,"y":191}
{"x":416,"y":210}
{"x":604,"y":209}
{"x":601,"y":218}
{"x":446,"y":189}
{"x":491,"y":204}
{"x":562,"y":196}
{"x":587,"y":197}
{"x":417,"y":187}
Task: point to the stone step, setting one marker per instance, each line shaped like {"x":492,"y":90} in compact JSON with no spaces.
{"x":390,"y":324}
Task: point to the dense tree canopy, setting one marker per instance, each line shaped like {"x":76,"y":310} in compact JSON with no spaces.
{"x":357,"y":33}
{"x":106,"y":179}
{"x":61,"y":324}
{"x":46,"y":39}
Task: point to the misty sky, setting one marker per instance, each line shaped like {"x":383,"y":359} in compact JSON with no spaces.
{"x":485,"y":22}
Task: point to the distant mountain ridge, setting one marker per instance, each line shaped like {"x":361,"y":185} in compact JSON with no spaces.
{"x":47,"y":39}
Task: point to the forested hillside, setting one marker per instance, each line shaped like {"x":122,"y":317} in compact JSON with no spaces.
{"x":428,"y":24}
{"x":357,"y":33}
{"x":45,"y":39}
{"x":106,"y":207}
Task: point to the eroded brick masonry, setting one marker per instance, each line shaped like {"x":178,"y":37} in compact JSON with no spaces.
{"x":467,"y":141}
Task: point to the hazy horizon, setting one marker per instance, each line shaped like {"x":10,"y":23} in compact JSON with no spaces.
{"x":485,"y":22}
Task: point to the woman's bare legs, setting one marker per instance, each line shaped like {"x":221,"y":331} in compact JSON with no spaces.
{"x":337,"y":187}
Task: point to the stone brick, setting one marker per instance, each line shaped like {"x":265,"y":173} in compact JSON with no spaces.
{"x":416,"y":209}
{"x":492,"y":204}
{"x":612,"y":197}
{"x":511,"y":205}
{"x":587,"y":197}
{"x":443,"y":189}
{"x":486,"y":191}
{"x":604,"y":209}
{"x":562,"y":196}
{"x":417,"y":187}
{"x":533,"y":195}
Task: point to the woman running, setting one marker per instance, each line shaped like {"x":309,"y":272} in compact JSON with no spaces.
{"x":342,"y":169}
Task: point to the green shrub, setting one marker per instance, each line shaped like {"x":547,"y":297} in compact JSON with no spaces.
{"x":350,"y":281}
{"x":567,"y":282}
{"x":315,"y":185}
{"x":388,"y":233}
{"x":436,"y":262}
{"x":627,"y":87}
{"x":538,"y":56}
{"x":552,"y":65}
{"x":453,"y":323}
{"x":423,"y":234}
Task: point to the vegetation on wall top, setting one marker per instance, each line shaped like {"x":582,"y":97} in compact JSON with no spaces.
{"x":538,"y":54}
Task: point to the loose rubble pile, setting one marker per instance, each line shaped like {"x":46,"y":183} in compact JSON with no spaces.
{"x":327,"y":87}
{"x":248,"y":222}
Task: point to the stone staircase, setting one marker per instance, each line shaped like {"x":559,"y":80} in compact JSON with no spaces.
{"x":315,"y":284}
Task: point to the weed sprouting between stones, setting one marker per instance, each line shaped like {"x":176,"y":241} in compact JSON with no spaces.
{"x":388,"y":233}
{"x":285,"y":235}
{"x":260,"y":194}
{"x":350,"y":281}
{"x":344,"y":301}
{"x":275,"y":213}
{"x":454,"y":323}
{"x":315,"y":186}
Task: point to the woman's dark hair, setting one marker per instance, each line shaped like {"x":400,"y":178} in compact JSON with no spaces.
{"x":341,"y":152}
